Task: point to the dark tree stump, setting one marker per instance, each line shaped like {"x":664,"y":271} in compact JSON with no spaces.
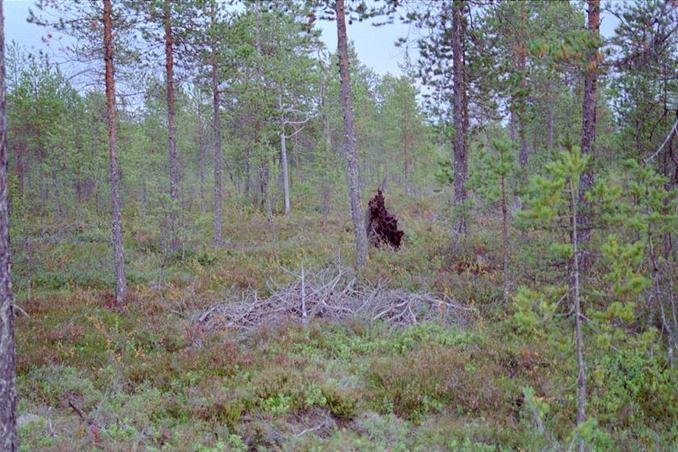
{"x":382,"y":227}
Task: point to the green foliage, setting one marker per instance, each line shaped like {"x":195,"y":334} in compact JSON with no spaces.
{"x":494,"y":166}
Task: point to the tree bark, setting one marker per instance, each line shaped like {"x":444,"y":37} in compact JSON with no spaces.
{"x":8,"y":436}
{"x":352,"y":172}
{"x":505,"y":239}
{"x":216,"y":128}
{"x":284,"y":170}
{"x":264,"y":165}
{"x":325,"y":189}
{"x":116,"y":207}
{"x":284,"y":167}
{"x":460,"y":157}
{"x":171,"y":127}
{"x":588,"y":129}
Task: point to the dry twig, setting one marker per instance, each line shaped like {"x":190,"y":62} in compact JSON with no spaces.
{"x":332,"y":294}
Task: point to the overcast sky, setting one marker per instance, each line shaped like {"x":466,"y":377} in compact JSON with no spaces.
{"x":375,"y":45}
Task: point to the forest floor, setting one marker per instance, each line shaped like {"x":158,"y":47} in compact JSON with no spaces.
{"x":150,"y":377}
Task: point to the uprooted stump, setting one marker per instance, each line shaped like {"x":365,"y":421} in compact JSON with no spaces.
{"x":382,"y":227}
{"x":333,"y":294}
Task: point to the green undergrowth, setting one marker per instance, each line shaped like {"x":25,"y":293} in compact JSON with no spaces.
{"x":146,"y":377}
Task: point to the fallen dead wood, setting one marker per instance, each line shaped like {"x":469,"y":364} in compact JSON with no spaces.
{"x":332,"y":294}
{"x":92,"y":427}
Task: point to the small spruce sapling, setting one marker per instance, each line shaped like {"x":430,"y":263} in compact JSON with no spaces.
{"x":492,"y":182}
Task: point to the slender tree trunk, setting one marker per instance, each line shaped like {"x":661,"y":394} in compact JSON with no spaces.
{"x":350,"y":154}
{"x":523,"y":154}
{"x":505,"y":239}
{"x":264,"y":164}
{"x":549,"y":130}
{"x":57,"y":192}
{"x":77,"y":187}
{"x":266,"y":190}
{"x":407,"y":144}
{"x":216,"y":128}
{"x":116,"y":207}
{"x":588,"y":130}
{"x":284,"y":170}
{"x":512,"y":125}
{"x":8,"y":436}
{"x":521,"y":60}
{"x":144,"y":196}
{"x":201,"y":165}
{"x":171,"y":127}
{"x":325,"y":195}
{"x":41,"y":179}
{"x":460,"y":156}
{"x":78,"y":171}
{"x":581,"y":377}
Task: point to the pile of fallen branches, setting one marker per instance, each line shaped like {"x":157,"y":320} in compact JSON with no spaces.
{"x":332,"y":294}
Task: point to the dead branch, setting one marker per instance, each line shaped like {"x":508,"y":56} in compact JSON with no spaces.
{"x":332,"y":294}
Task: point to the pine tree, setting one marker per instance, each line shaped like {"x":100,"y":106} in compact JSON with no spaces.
{"x":554,"y":202}
{"x":350,"y":153}
{"x":8,"y":435}
{"x":116,"y":207}
{"x":493,"y":181}
{"x":87,"y":22}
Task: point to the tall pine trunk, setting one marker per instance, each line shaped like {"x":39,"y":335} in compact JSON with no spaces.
{"x":116,"y":207}
{"x":588,"y":128}
{"x":216,"y":128}
{"x":350,"y":154}
{"x":171,"y":127}
{"x":8,"y":437}
{"x":459,"y":113}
